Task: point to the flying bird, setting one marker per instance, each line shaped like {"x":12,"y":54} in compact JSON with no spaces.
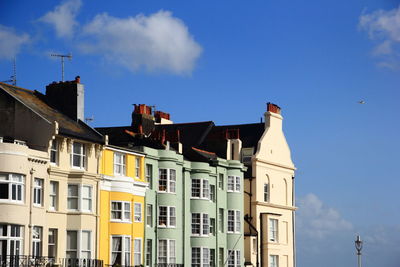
{"x":361,"y":102}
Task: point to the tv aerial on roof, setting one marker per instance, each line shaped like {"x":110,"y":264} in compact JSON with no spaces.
{"x":13,"y":78}
{"x":69,"y":56}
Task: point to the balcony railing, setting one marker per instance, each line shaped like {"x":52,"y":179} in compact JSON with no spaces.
{"x":25,"y":261}
{"x":31,"y":261}
{"x":77,"y":262}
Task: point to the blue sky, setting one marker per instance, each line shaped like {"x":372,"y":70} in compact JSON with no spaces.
{"x":222,"y":61}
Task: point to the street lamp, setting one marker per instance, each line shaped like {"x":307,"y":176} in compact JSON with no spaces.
{"x":359,"y":245}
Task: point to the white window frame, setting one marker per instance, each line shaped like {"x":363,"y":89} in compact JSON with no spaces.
{"x":82,"y":155}
{"x":137,"y":167}
{"x":204,"y":224}
{"x":119,"y":164}
{"x":53,"y":232}
{"x":124,"y":251}
{"x":273,"y":230}
{"x":53,"y":195}
{"x":14,"y":181}
{"x":221,"y":220}
{"x":237,"y":224}
{"x":79,"y":245}
{"x":236,"y":256}
{"x":137,"y":253}
{"x":266,"y":192}
{"x":169,"y":217}
{"x":273,"y":261}
{"x":170,"y":259}
{"x":124,"y":211}
{"x":170,"y":183}
{"x":221,"y":257}
{"x":205,"y":258}
{"x":149,"y":253}
{"x":149,"y":215}
{"x":38,"y":189}
{"x":234,"y":184}
{"x":54,"y":148}
{"x":80,"y":198}
{"x":37,"y":241}
{"x":149,"y":174}
{"x":138,"y":215}
{"x":221,"y":181}
{"x":205,"y":189}
{"x":212,"y":193}
{"x":17,"y":239}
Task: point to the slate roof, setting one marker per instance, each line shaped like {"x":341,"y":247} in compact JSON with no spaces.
{"x":36,"y":102}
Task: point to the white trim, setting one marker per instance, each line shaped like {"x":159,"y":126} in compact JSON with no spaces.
{"x":123,"y":184}
{"x":79,"y":242}
{"x":123,"y":219}
{"x":134,"y":212}
{"x":123,"y":151}
{"x":141,"y":250}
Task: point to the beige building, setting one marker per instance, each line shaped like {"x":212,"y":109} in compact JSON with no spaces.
{"x":49,"y":182}
{"x":269,"y":202}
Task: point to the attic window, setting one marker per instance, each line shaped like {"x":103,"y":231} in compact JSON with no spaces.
{"x":247,"y":153}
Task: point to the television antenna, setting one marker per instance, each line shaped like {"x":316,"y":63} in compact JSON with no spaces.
{"x":89,"y":119}
{"x":69,"y":56}
{"x":13,"y":78}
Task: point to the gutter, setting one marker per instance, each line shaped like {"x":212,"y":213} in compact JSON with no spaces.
{"x":293,"y":224}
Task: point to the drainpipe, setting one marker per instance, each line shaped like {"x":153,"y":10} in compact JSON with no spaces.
{"x":261,"y":243}
{"x":32,"y":171}
{"x":97,"y":206}
{"x":293,"y":224}
{"x":183,"y":211}
{"x":156,"y":229}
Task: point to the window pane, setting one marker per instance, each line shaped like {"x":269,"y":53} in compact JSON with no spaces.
{"x":85,"y":240}
{"x":72,"y":240}
{"x":72,"y":190}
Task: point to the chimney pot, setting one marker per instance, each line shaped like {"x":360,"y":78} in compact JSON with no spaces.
{"x":273,"y":108}
{"x":78,"y":79}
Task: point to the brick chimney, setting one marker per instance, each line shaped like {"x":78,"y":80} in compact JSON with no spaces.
{"x":68,"y":98}
{"x":142,"y":119}
{"x":273,"y":116}
{"x":162,"y":117}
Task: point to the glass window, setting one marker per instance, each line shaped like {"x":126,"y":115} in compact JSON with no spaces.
{"x":201,"y":189}
{"x":212,"y":193}
{"x":200,"y":224}
{"x":206,"y":257}
{"x":273,"y":261}
{"x":212,"y":226}
{"x":54,"y":151}
{"x":12,"y":187}
{"x":196,"y":257}
{"x":72,"y":244}
{"x":149,"y":215}
{"x":221,"y":220}
{"x":38,"y":192}
{"x":221,"y":181}
{"x":166,"y":216}
{"x":221,"y":258}
{"x":137,"y":167}
{"x":206,"y":189}
{"x":138,"y":252}
{"x":85,"y":245}
{"x":78,"y":155}
{"x":149,"y":260}
{"x":72,"y":197}
{"x":266,"y":192}
{"x":53,"y":195}
{"x":196,"y":223}
{"x":120,"y":211}
{"x":234,"y":258}
{"x":196,"y":188}
{"x":11,"y":239}
{"x":86,"y":198}
{"x":234,"y":184}
{"x":234,"y":221}
{"x":172,"y":252}
{"x":138,"y":212}
{"x":79,"y":244}
{"x":121,"y":250}
{"x":52,"y":243}
{"x":167,"y":180}
{"x":119,"y":163}
{"x":166,"y":251}
{"x":37,"y":241}
{"x":273,"y":230}
{"x":149,"y":175}
{"x":212,"y":257}
{"x":206,"y":224}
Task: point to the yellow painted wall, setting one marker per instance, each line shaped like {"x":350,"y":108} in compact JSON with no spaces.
{"x":107,"y":228}
{"x":107,"y":162}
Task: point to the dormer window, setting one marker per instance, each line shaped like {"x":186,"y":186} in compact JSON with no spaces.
{"x":78,"y":155}
{"x":119,"y":164}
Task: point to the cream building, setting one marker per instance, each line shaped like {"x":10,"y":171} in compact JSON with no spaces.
{"x":49,"y":181}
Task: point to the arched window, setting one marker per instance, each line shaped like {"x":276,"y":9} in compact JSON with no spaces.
{"x":267,"y":192}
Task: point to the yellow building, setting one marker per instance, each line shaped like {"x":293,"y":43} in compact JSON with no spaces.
{"x":122,"y":192}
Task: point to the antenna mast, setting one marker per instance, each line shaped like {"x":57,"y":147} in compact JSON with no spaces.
{"x":13,"y":78}
{"x":69,"y":56}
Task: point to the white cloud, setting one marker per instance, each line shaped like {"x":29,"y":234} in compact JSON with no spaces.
{"x":62,"y":18}
{"x":383,"y":27}
{"x":315,"y":220}
{"x":11,"y":42}
{"x":158,"y":42}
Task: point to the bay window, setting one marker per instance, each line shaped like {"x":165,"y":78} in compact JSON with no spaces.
{"x":120,"y":211}
{"x":11,"y":239}
{"x":79,"y":244}
{"x":119,"y":164}
{"x":79,"y":198}
{"x":167,"y":180}
{"x":166,"y":251}
{"x":12,"y":187}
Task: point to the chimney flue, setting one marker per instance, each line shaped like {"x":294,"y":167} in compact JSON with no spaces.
{"x":273,"y":108}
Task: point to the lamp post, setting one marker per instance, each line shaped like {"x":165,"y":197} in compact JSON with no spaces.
{"x":359,"y":245}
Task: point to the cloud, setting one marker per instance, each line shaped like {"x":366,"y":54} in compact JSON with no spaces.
{"x":11,"y":42}
{"x":158,"y":42}
{"x":384,"y":28}
{"x":315,"y":220}
{"x":62,"y":18}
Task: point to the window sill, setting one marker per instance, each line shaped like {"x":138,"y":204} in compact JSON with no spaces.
{"x":120,"y":221}
{"x":78,"y":212}
{"x":166,"y":227}
{"x":12,"y":202}
{"x":165,"y":192}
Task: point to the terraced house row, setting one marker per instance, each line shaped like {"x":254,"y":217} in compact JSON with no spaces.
{"x":152,"y":193}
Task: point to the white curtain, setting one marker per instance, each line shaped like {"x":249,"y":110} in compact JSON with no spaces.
{"x":116,"y":244}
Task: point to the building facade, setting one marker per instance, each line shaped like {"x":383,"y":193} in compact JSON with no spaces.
{"x":122,"y":214}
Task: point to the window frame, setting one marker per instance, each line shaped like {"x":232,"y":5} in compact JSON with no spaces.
{"x":53,"y":243}
{"x":80,"y":198}
{"x":237,"y":224}
{"x":204,"y":189}
{"x":38,"y":189}
{"x":53,"y":195}
{"x":235,"y":185}
{"x":124,"y":251}
{"x":140,"y":253}
{"x":273,"y":263}
{"x":78,"y":251}
{"x":149,"y":253}
{"x":137,"y":167}
{"x":149,"y":175}
{"x":221,"y":220}
{"x":266,"y":192}
{"x":82,"y":155}
{"x":273,"y":230}
{"x":203,"y":261}
{"x":54,"y":150}
{"x":123,"y":211}
{"x":120,"y":162}
{"x":168,"y":251}
{"x":236,"y":258}
{"x":17,"y":239}
{"x":168,"y":217}
{"x":168,"y":180}
{"x":138,"y":217}
{"x":37,"y":242}
{"x":15,"y":184}
{"x":204,"y":227}
{"x":221,"y":182}
{"x":149,"y":215}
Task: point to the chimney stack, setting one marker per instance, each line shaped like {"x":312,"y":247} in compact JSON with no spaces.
{"x":142,"y":119}
{"x":273,"y":116}
{"x":67,"y":97}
